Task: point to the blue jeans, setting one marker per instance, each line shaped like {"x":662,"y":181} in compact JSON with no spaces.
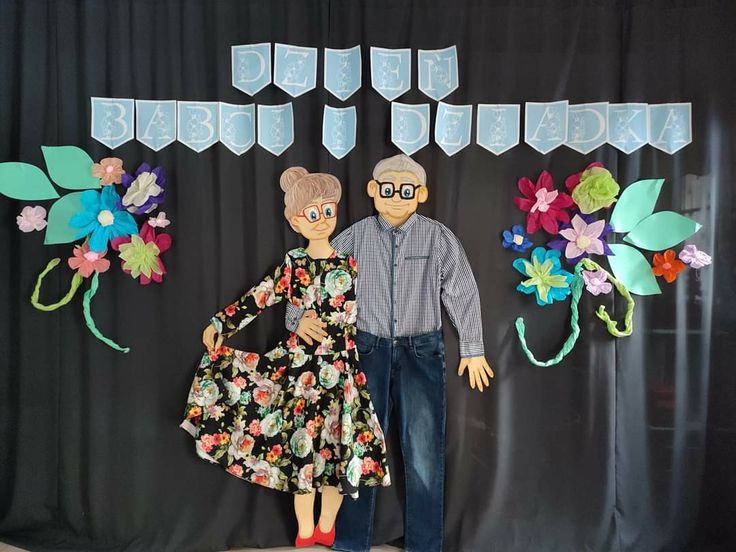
{"x":408,"y":374}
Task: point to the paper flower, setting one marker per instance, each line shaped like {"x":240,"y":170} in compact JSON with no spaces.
{"x":109,"y":170}
{"x":545,"y":205}
{"x":596,"y":282}
{"x":102,"y":219}
{"x":159,"y":221}
{"x":516,"y":239}
{"x":694,"y":257}
{"x":595,"y":188}
{"x":666,"y":264}
{"x":563,"y":241}
{"x":31,"y":218}
{"x":546,"y":278}
{"x":583,"y":239}
{"x":143,"y":255}
{"x":85,"y":262}
{"x":144,"y":190}
{"x":573,"y":180}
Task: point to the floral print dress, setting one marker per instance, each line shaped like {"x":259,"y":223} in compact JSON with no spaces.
{"x":298,"y":417}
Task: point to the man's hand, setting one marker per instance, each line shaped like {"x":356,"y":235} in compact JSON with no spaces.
{"x":311,"y":328}
{"x":478,"y":371}
{"x":211,"y":339}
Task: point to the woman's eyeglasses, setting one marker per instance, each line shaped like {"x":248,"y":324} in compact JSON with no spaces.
{"x":313,"y":213}
{"x":405,"y":190}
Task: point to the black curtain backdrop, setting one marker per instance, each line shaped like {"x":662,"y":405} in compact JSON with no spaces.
{"x":628,"y":445}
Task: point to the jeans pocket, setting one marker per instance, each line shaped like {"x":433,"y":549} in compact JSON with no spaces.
{"x":434,"y":348}
{"x":364,"y":346}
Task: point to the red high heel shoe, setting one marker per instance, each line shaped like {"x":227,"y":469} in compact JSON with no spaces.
{"x":303,"y":543}
{"x":327,"y":539}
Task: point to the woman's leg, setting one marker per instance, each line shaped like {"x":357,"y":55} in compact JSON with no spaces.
{"x":331,"y":501}
{"x":304,"y":509}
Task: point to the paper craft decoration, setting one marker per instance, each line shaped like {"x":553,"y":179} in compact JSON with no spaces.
{"x":275,"y":127}
{"x":628,"y":126}
{"x":251,"y":67}
{"x":409,"y":126}
{"x":452,"y":125}
{"x":237,"y":127}
{"x":631,"y":267}
{"x":545,"y":206}
{"x":25,"y":181}
{"x":497,"y":128}
{"x":155,"y":124}
{"x":438,"y":74}
{"x":31,"y":219}
{"x":295,"y":69}
{"x":197,"y":123}
{"x":390,"y":71}
{"x":339,"y":130}
{"x":670,"y":126}
{"x":112,"y":120}
{"x":667,"y":265}
{"x":635,"y":204}
{"x":62,"y":210}
{"x":343,"y":72}
{"x":586,"y":126}
{"x":661,"y":231}
{"x":545,"y":125}
{"x":697,"y":259}
{"x":546,"y":278}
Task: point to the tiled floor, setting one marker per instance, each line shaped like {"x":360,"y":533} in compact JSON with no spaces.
{"x":8,"y":548}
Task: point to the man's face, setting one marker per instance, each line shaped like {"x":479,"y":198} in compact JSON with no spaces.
{"x":397,"y":194}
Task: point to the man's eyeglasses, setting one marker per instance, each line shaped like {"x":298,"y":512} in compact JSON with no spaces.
{"x":405,"y":190}
{"x":315,"y":212}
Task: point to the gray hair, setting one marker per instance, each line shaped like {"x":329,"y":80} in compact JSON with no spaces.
{"x":400,"y":163}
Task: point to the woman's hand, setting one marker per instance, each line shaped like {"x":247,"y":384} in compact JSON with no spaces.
{"x":310,"y":327}
{"x":211,"y":339}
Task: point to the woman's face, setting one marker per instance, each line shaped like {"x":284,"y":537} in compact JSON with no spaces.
{"x":317,"y":220}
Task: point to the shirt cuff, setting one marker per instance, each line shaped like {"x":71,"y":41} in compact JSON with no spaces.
{"x":471,"y":349}
{"x":217,"y":324}
{"x":293,"y":317}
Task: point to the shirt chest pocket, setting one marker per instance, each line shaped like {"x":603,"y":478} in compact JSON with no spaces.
{"x":416,"y":258}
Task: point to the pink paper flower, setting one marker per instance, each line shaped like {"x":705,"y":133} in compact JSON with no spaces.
{"x":595,"y":282}
{"x":148,"y":235}
{"x":85,"y":262}
{"x":694,"y":257}
{"x":109,"y":170}
{"x":31,"y":218}
{"x":545,"y":205}
{"x":159,"y":221}
{"x":583,"y":237}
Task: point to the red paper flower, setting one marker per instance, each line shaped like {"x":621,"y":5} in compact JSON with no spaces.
{"x":668,"y":265}
{"x":148,"y":234}
{"x":573,"y":180}
{"x":545,"y":205}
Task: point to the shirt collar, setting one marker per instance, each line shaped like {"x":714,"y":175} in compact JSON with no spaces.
{"x":384,"y":225}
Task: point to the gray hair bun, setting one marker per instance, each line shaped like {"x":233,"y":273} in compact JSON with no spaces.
{"x":291,"y":176}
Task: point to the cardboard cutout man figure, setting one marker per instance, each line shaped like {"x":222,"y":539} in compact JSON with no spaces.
{"x":408,"y":263}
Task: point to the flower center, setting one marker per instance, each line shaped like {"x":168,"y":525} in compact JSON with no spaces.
{"x":667,"y":266}
{"x":544,"y":198}
{"x":109,"y":169}
{"x":518,"y":239}
{"x":582,"y":242}
{"x":105,"y":217}
{"x":92,"y":256}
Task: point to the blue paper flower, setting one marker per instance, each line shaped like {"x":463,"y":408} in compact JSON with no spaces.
{"x":103,"y":218}
{"x":516,"y":239}
{"x":546,"y":278}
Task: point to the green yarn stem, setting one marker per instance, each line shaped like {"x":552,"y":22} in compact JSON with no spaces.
{"x":577,"y":290}
{"x":73,"y":287}
{"x":601,"y":313}
{"x":86,"y":309}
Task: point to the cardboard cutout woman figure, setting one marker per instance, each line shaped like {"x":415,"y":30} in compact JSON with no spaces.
{"x":299,"y":417}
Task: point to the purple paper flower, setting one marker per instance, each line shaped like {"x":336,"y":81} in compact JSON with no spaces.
{"x":583,"y":237}
{"x":144,"y":191}
{"x":694,"y":257}
{"x":595,"y":282}
{"x":516,"y":239}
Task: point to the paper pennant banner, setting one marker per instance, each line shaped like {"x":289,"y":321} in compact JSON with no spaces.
{"x":586,"y":126}
{"x":670,"y":126}
{"x":437,"y":72}
{"x":633,"y":270}
{"x":295,"y":69}
{"x":343,"y":72}
{"x":251,"y":67}
{"x":628,"y":126}
{"x":545,"y":125}
{"x":409,"y":126}
{"x":452,"y":125}
{"x":390,"y":71}
{"x":112,"y":120}
{"x":198,"y":124}
{"x":155,"y":124}
{"x":339,"y":130}
{"x":275,"y":127}
{"x":237,"y":127}
{"x":497,"y":127}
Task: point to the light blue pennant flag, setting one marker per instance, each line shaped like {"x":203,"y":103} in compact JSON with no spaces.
{"x":670,"y":126}
{"x":343,"y":71}
{"x":628,"y":126}
{"x":438,"y":72}
{"x":275,"y":127}
{"x":545,"y":125}
{"x":339,"y":129}
{"x":390,"y":71}
{"x":586,"y":126}
{"x":155,"y":123}
{"x":112,"y":120}
{"x":295,"y":69}
{"x":409,"y":126}
{"x":251,"y":67}
{"x":237,"y":127}
{"x":498,"y":127}
{"x":198,"y":124}
{"x":452,"y":125}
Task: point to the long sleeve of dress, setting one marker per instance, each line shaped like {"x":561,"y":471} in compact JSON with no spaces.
{"x":274,"y":288}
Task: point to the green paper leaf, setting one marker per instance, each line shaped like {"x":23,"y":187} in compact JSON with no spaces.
{"x":25,"y":181}
{"x":58,"y":229}
{"x":633,"y":270}
{"x":635,"y":204}
{"x":662,"y":230}
{"x":70,"y":167}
